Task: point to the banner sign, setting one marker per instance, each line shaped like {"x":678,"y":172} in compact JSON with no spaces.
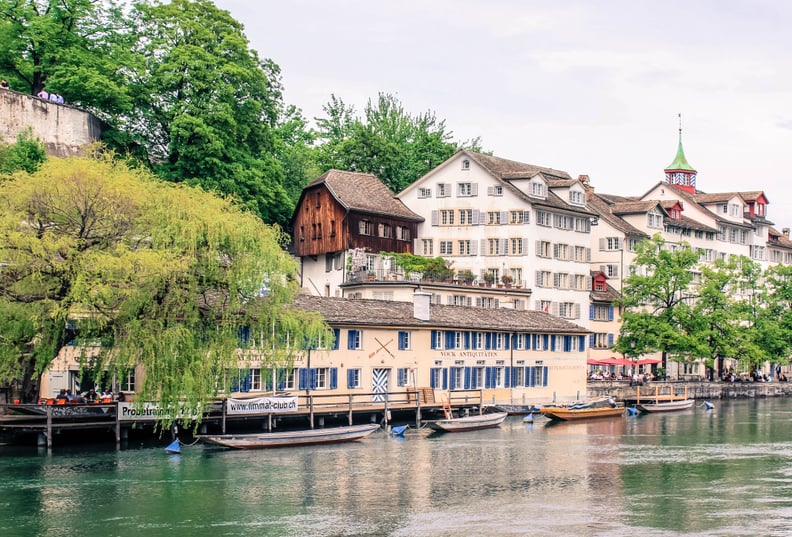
{"x":151,"y":412}
{"x":262,"y":405}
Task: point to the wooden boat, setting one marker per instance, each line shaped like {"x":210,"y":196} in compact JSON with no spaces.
{"x":583,"y":411}
{"x":330,"y":435}
{"x":665,"y":406}
{"x":468,"y":423}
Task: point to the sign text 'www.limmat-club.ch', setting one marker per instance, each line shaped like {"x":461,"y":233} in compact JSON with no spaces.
{"x":258,"y":405}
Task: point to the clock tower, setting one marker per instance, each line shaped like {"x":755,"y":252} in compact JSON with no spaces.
{"x":679,"y":172}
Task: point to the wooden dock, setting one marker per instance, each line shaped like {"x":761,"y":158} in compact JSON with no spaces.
{"x":47,"y":422}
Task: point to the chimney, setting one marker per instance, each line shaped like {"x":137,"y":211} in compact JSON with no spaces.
{"x":785,"y":231}
{"x":584,"y":179}
{"x":421,"y":305}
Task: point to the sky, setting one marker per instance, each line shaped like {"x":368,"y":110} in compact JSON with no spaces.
{"x":584,"y":86}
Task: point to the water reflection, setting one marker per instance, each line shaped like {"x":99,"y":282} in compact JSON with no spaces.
{"x":697,"y":472}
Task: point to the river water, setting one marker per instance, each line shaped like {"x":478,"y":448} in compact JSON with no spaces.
{"x":722,"y":472}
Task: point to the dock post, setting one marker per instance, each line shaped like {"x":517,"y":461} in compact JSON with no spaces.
{"x":224,"y":405}
{"x":118,"y":424}
{"x":418,"y":409}
{"x":350,"y":409}
{"x":311,"y":410}
{"x":49,"y":427}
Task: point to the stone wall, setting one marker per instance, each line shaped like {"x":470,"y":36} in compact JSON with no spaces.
{"x":63,"y":129}
{"x":696,"y":390}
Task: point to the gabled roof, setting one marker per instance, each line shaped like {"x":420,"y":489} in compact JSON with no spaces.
{"x":599,"y":203}
{"x":363,"y":192}
{"x":754,"y":195}
{"x":778,"y":240}
{"x":510,"y":169}
{"x":635,"y":207}
{"x":385,"y":313}
{"x":685,"y":222}
{"x":717,"y":197}
{"x":608,"y":295}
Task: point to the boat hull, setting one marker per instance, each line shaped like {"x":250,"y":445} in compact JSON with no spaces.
{"x":469,"y":423}
{"x":665,"y":406}
{"x":573,"y":414}
{"x":332,"y":435}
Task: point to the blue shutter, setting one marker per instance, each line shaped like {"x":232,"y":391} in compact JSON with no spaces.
{"x":513,"y":376}
{"x":445,"y":379}
{"x":534,"y":339}
{"x":350,"y":378}
{"x":488,"y":340}
{"x":546,"y":342}
{"x":245,"y":387}
{"x":531,"y":377}
{"x":281,"y":373}
{"x":401,"y":376}
{"x":610,"y":313}
{"x":567,"y":343}
{"x":351,"y":339}
{"x":336,"y":338}
{"x":312,"y":378}
{"x":243,"y":335}
{"x":489,"y":373}
{"x":449,"y":339}
{"x":452,"y":382}
{"x":581,"y":343}
{"x":507,"y":371}
{"x":267,"y":374}
{"x":434,"y":339}
{"x":432,"y":377}
{"x":303,"y":379}
{"x":467,"y":379}
{"x":610,"y":340}
{"x":467,"y":340}
{"x":545,"y":370}
{"x":591,"y":312}
{"x":402,"y":340}
{"x":333,"y":378}
{"x":592,"y":340}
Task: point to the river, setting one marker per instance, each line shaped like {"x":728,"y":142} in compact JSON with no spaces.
{"x":726,"y":471}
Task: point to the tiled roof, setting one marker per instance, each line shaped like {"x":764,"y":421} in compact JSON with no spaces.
{"x":365,"y":193}
{"x":510,"y":169}
{"x":385,"y":313}
{"x":608,"y":295}
{"x":716,"y":197}
{"x":599,"y":204}
{"x":688,"y":223}
{"x":633,"y":207}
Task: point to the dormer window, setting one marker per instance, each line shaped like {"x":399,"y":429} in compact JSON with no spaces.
{"x":576,"y":197}
{"x":538,"y":189}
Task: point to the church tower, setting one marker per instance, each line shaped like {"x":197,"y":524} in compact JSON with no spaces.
{"x":679,"y":172}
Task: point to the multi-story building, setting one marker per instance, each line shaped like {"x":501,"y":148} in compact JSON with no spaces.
{"x":509,"y":222}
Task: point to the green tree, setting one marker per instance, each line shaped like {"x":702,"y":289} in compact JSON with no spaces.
{"x":656,"y":300}
{"x":26,"y":154}
{"x":205,"y":106}
{"x":154,"y":274}
{"x":388,"y":142}
{"x":75,"y":47}
{"x":771,"y":312}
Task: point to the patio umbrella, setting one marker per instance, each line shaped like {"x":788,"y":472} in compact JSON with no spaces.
{"x":648,"y":361}
{"x":617,"y":361}
{"x":592,"y":361}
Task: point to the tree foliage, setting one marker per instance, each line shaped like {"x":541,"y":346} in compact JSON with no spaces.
{"x":656,"y":299}
{"x":26,"y":154}
{"x":153,"y":274}
{"x":388,"y":142}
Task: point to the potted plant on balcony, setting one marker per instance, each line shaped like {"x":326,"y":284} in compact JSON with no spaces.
{"x":507,"y":280}
{"x":465,"y":276}
{"x":489,"y":278}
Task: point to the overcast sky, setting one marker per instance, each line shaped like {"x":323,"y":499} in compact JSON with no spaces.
{"x":584,"y":86}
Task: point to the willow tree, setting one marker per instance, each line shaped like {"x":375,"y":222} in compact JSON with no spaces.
{"x":146,"y":273}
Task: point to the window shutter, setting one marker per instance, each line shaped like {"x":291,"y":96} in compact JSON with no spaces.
{"x":556,"y":281}
{"x":526,"y":217}
{"x":507,"y":341}
{"x":451,"y":382}
{"x":489,"y":373}
{"x":555,"y":250}
{"x":333,"y":378}
{"x":467,"y":340}
{"x":531,"y":377}
{"x":610,"y":340}
{"x":577,"y":311}
{"x":474,"y":189}
{"x":545,"y":371}
{"x":567,"y":343}
{"x":488,"y":340}
{"x":351,"y":339}
{"x":312,"y":378}
{"x":445,"y":379}
{"x":478,"y":301}
{"x":303,"y":379}
{"x":592,"y":340}
{"x":591,"y":312}
{"x":402,"y":340}
{"x":336,"y":338}
{"x":610,"y":313}
{"x":449,"y":339}
{"x":507,"y":380}
{"x":434,"y":338}
{"x":432,"y":374}
{"x":467,"y":378}
{"x":351,"y":378}
{"x":473,"y":247}
{"x":435,"y":217}
{"x":588,"y":255}
{"x":416,"y":245}
{"x":490,"y":191}
{"x":601,"y":243}
{"x":581,"y":343}
{"x":504,"y":217}
{"x":546,"y":342}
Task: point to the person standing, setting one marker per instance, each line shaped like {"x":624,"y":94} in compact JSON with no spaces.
{"x":43,"y":94}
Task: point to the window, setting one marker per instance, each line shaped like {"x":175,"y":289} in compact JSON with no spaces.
{"x":438,"y":341}
{"x":568,"y":310}
{"x":384,"y":231}
{"x":500,"y":341}
{"x":582,"y":254}
{"x":601,"y":312}
{"x":538,"y":189}
{"x":580,"y":282}
{"x":561,"y":280}
{"x":322,"y":378}
{"x":518,"y":376}
{"x":610,"y":244}
{"x":402,"y":377}
{"x":405,"y":340}
{"x":446,"y":247}
{"x":318,"y":199}
{"x":758,"y":252}
{"x":611,"y":270}
{"x":403,"y":233}
{"x":499,"y":380}
{"x":465,"y":217}
{"x":476,"y":377}
{"x":562,"y":221}
{"x":576,"y":197}
{"x":494,"y":247}
{"x":561,"y":251}
{"x":287,"y":379}
{"x":464,"y":247}
{"x":477,"y":342}
{"x":519,"y":217}
{"x":466,"y":164}
{"x":516,"y":274}
{"x":582,"y":225}
{"x":493,"y":217}
{"x":447,"y":217}
{"x":544,"y":249}
{"x":365,"y":227}
{"x":544,"y":278}
{"x":466,"y":190}
{"x":353,"y":378}
{"x":443,"y":190}
{"x":543,"y":218}
{"x":126,"y":382}
{"x":460,"y":300}
{"x":427,"y":247}
{"x":354,"y":340}
{"x":495,"y":190}
{"x":487,"y":302}
{"x":436,"y":376}
{"x":424,"y":193}
{"x":457,"y":378}
{"x":654,"y":219}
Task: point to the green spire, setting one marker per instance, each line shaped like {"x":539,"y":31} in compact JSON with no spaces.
{"x":680,"y":162}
